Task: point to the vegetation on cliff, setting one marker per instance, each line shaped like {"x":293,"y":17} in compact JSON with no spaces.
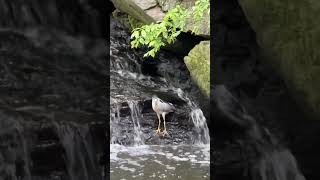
{"x":156,"y":35}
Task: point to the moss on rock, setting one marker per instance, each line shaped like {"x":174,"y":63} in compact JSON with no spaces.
{"x":134,"y":23}
{"x":121,"y":17}
{"x":203,"y":26}
{"x":198,"y":64}
{"x":289,"y":34}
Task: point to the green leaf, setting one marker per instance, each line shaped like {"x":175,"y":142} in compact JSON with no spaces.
{"x":143,"y":33}
{"x":165,"y":34}
{"x":141,"y":40}
{"x":156,"y":35}
{"x":152,"y":53}
{"x":152,"y":43}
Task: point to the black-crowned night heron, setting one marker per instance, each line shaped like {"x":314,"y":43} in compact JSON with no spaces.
{"x":161,"y":108}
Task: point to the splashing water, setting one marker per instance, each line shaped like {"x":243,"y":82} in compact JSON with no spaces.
{"x":135,"y":114}
{"x":201,"y":127}
{"x":201,"y":135}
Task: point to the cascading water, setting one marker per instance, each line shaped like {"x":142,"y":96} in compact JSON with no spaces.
{"x":80,"y":157}
{"x":201,"y":135}
{"x":136,"y":150}
{"x":266,"y":158}
{"x":201,"y":127}
{"x":135,"y":116}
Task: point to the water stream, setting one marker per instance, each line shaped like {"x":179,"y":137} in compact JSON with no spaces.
{"x":265,"y":156}
{"x":136,"y":152}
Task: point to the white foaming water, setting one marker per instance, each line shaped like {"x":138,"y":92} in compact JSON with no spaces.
{"x":199,"y":155}
{"x":132,"y":75}
{"x":135,"y":116}
{"x":156,"y":160}
{"x":201,"y":127}
{"x":201,"y":136}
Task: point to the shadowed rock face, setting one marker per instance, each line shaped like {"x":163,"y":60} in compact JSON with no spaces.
{"x":288,"y":34}
{"x":52,"y":97}
{"x":256,"y":90}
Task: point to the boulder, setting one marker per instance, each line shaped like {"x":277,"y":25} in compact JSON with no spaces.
{"x":146,"y":11}
{"x":198,"y":63}
{"x":289,"y":36}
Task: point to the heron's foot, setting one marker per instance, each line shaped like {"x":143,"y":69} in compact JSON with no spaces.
{"x":158,"y":131}
{"x":164,"y":132}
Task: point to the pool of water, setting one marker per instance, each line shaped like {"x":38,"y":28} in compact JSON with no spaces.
{"x":187,"y":162}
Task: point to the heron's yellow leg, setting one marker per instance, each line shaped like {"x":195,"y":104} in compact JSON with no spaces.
{"x":158,"y":130}
{"x":164,"y":132}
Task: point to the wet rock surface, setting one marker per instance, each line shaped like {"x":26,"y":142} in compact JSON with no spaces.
{"x":52,"y":99}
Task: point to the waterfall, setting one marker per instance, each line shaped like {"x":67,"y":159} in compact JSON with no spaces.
{"x":120,"y":129}
{"x":201,"y":131}
{"x":277,"y":165}
{"x":80,"y":158}
{"x":135,"y":114}
{"x":14,"y":154}
{"x":201,"y":128}
{"x":115,"y":130}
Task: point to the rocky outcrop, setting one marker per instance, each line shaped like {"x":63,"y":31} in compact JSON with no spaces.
{"x":148,"y":11}
{"x":288,"y":34}
{"x":198,"y":63}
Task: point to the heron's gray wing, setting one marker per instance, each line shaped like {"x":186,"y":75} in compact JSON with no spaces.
{"x":166,"y":107}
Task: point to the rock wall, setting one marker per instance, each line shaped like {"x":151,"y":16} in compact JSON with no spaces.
{"x":288,"y":33}
{"x":52,"y":97}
